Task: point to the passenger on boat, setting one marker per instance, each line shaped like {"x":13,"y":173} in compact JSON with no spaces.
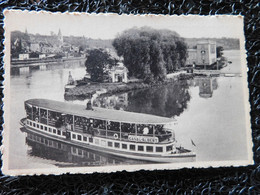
{"x":145,"y":131}
{"x":91,"y":129}
{"x":68,"y":127}
{"x":58,"y":123}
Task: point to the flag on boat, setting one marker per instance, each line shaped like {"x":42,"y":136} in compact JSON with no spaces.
{"x":192,"y":142}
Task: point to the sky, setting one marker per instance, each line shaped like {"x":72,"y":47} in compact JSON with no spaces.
{"x":109,"y":26}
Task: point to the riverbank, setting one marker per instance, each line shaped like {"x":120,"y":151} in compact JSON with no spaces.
{"x":87,"y":90}
{"x":35,"y":61}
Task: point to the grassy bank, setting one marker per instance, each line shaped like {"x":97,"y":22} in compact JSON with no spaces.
{"x":86,"y":90}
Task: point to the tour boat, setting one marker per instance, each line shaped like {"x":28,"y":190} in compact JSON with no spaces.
{"x":116,"y":132}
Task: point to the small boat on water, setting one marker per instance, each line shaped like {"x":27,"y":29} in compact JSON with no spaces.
{"x":116,"y":132}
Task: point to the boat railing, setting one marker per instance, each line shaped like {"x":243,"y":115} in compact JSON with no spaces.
{"x":124,"y":136}
{"x":163,"y":135}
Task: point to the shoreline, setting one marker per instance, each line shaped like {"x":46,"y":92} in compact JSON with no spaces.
{"x":87,"y":90}
{"x":30,"y":62}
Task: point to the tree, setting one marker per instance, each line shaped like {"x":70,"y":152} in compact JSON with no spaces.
{"x":150,"y":54}
{"x":98,"y":63}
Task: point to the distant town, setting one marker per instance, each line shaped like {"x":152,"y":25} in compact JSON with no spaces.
{"x":26,"y":46}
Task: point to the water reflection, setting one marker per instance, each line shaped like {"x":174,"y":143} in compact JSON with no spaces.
{"x":67,"y":155}
{"x":169,"y":100}
{"x":206,"y":85}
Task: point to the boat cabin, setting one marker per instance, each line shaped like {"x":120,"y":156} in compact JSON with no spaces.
{"x":100,"y":122}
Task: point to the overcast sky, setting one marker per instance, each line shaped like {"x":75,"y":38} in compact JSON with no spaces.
{"x":107,"y":27}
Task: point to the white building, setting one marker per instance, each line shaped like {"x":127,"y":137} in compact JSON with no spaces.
{"x":24,"y":56}
{"x":119,"y":74}
{"x":204,"y":55}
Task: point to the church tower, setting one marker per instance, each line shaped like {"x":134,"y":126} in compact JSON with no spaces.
{"x":60,"y":37}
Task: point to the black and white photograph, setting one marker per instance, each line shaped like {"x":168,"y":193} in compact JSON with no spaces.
{"x":89,"y":93}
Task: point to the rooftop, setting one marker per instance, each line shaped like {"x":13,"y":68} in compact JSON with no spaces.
{"x":206,"y":42}
{"x":99,"y":113}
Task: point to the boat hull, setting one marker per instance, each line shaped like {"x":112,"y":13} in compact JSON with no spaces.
{"x":169,"y":158}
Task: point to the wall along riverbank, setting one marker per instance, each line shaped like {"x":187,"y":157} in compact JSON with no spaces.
{"x":87,"y":90}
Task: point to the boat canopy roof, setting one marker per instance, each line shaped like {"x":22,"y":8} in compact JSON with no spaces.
{"x":99,"y":113}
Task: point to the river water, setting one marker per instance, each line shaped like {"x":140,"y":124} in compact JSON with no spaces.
{"x":208,"y":111}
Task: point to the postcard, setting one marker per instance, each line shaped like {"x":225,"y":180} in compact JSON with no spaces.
{"x":88,"y":93}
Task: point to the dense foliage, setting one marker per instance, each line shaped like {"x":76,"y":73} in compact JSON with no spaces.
{"x":150,"y":54}
{"x":98,"y":63}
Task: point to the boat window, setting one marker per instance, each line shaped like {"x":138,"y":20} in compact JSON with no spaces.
{"x":45,"y":128}
{"x":109,"y":144}
{"x":67,"y":119}
{"x":113,"y":126}
{"x":58,"y":132}
{"x":82,"y":124}
{"x":128,"y":128}
{"x":159,"y":149}
{"x":91,"y":140}
{"x":149,"y":148}
{"x":124,"y":146}
{"x":38,"y":126}
{"x":159,"y":129}
{"x":140,"y":148}
{"x":31,"y":123}
{"x":116,"y":145}
{"x":63,"y":133}
{"x":85,"y":139}
{"x":54,"y":119}
{"x":27,"y":122}
{"x":100,"y":124}
{"x":79,"y":137}
{"x":28,"y":110}
{"x":81,"y":121}
{"x":168,"y":148}
{"x":41,"y":127}
{"x":144,"y":129}
{"x":73,"y":136}
{"x":132,"y":147}
{"x":54,"y":131}
{"x":34,"y":124}
{"x":35,"y":113}
{"x":43,"y":116}
{"x":50,"y":130}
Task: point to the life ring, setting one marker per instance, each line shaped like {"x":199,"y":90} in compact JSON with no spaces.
{"x":36,"y":119}
{"x":116,"y":136}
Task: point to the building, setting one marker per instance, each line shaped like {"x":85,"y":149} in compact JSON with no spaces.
{"x":118,"y":74}
{"x":35,"y":47}
{"x":24,"y":56}
{"x":41,"y":56}
{"x":205,"y":54}
{"x":192,"y":56}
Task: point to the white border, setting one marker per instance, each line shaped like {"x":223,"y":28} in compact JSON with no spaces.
{"x":108,"y":169}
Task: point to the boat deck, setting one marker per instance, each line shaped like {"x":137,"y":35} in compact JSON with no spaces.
{"x":99,"y":113}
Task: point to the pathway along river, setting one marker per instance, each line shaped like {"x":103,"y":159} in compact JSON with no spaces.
{"x":208,"y":111}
